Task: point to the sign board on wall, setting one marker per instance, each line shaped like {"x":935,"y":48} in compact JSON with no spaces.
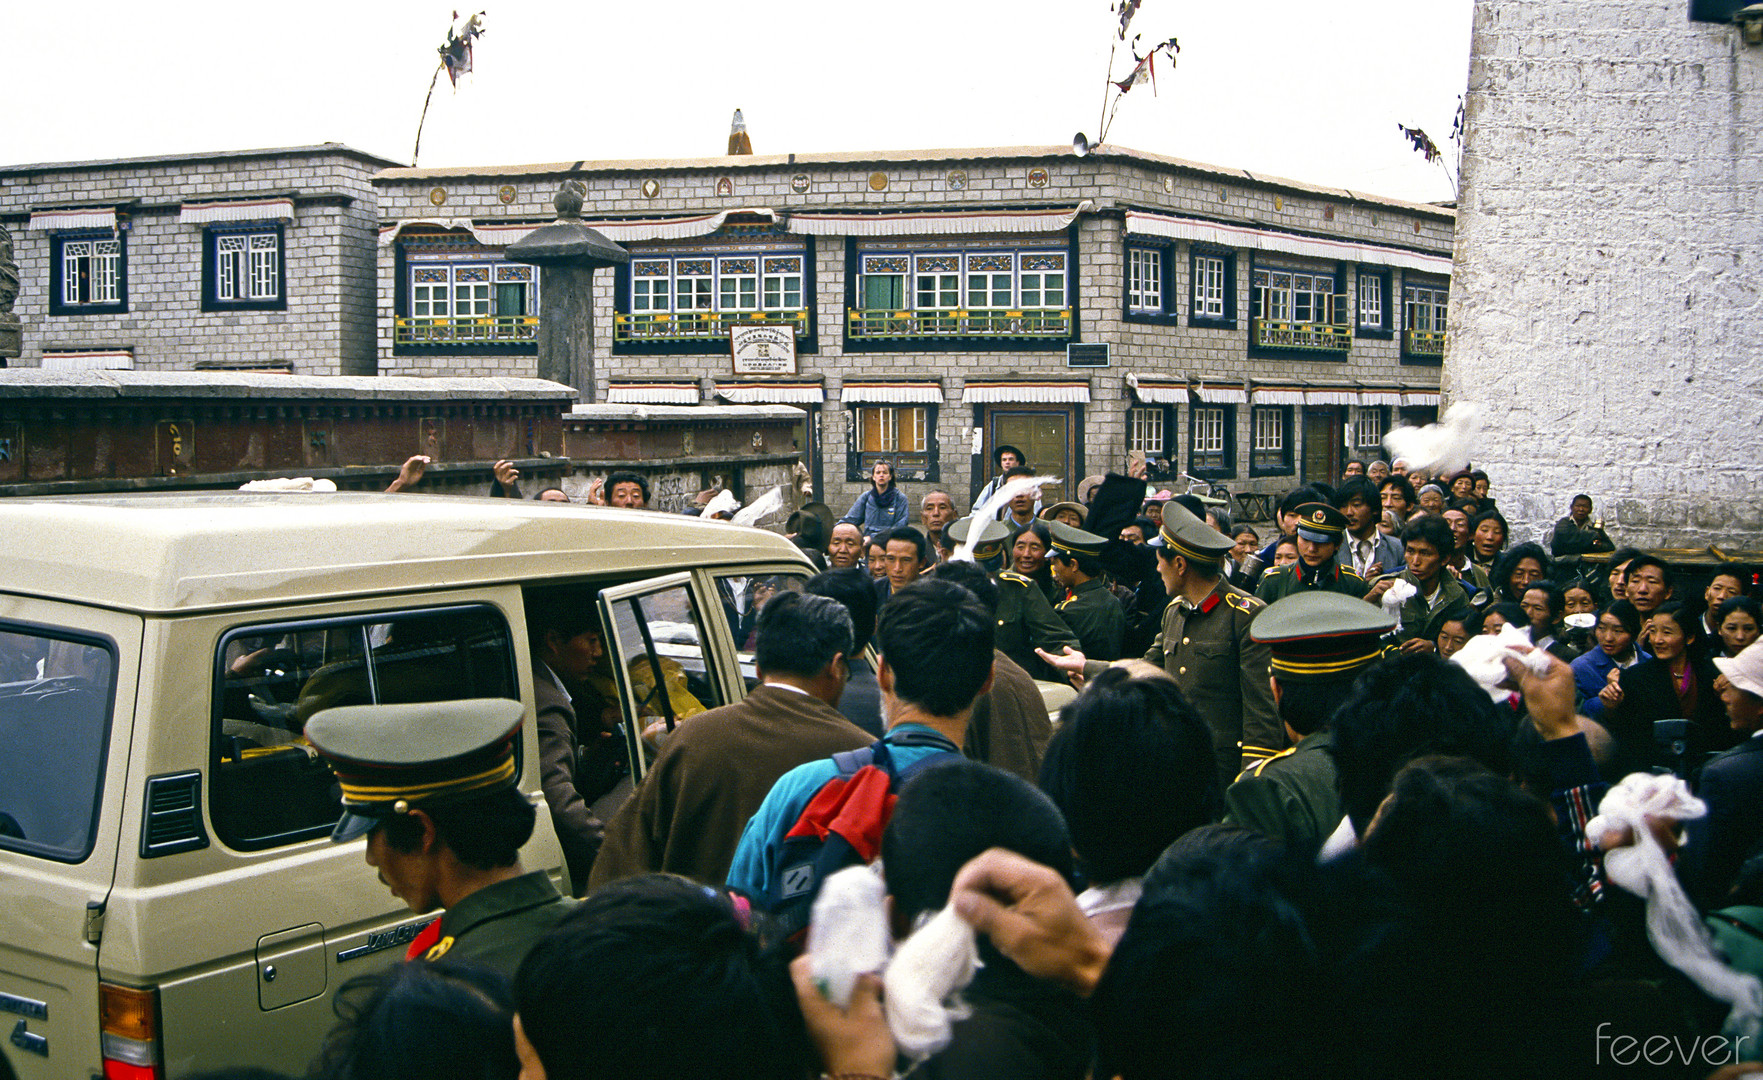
{"x":763,"y":348}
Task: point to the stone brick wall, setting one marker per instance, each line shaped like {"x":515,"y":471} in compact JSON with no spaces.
{"x":1112,"y":181}
{"x":327,"y":328}
{"x":1609,"y":268}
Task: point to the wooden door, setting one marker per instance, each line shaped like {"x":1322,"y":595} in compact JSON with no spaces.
{"x":1322,"y":445}
{"x":1043,"y":435}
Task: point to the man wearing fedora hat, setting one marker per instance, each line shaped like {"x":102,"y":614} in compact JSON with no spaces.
{"x":432,"y":787}
{"x":1320,"y":528}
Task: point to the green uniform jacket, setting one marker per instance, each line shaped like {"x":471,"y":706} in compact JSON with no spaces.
{"x":1223,"y":674}
{"x":1026,"y":621}
{"x":1291,"y":796}
{"x":1283,"y":581}
{"x":1420,"y":621}
{"x":1096,"y":617}
{"x":499,"y":924}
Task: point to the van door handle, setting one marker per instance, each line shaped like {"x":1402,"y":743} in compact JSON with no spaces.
{"x":28,"y":1042}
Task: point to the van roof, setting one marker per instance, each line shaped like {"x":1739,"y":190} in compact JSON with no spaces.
{"x":166,"y":552}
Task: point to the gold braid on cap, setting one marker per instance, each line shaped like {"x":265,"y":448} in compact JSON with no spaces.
{"x":419,"y":792}
{"x":1208,"y":558}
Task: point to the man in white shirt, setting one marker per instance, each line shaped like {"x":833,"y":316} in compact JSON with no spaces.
{"x":1365,"y":548}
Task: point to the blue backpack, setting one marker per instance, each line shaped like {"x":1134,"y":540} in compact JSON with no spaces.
{"x":843,"y":824}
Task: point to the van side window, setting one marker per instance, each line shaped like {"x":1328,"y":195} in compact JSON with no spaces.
{"x":55,"y":697}
{"x":742,"y":596}
{"x":267,"y":785}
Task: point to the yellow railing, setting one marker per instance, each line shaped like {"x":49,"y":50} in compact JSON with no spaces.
{"x":1426,"y":342}
{"x":995,"y":323}
{"x":1316,"y":337}
{"x":465,"y":330}
{"x":695,"y":325}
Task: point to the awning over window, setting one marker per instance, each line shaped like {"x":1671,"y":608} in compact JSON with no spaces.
{"x":1380,"y":397}
{"x":987,"y":391}
{"x":1154,"y":391}
{"x":1221,"y":393}
{"x":763,"y":392}
{"x":948,"y":223}
{"x":103,"y":217}
{"x":90,"y":360}
{"x":1331,"y":395}
{"x":657,"y":392}
{"x":206,"y":213}
{"x":1277,"y":395}
{"x":1420,"y":397}
{"x":1243,"y":236}
{"x":901,"y":392}
{"x":501,"y":234}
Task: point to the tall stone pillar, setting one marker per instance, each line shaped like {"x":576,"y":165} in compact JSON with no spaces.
{"x":11,"y":336}
{"x":567,"y":253}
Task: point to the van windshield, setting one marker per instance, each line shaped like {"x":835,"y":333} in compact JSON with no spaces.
{"x":55,"y":695}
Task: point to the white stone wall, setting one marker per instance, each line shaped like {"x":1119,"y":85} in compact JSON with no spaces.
{"x":1610,"y":268}
{"x":1112,"y":183}
{"x":328,"y":326}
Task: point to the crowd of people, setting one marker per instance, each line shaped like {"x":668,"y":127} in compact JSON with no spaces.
{"x":1289,"y":826}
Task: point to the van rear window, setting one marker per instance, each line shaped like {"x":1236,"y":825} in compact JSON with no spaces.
{"x":267,"y":786}
{"x":55,"y":695}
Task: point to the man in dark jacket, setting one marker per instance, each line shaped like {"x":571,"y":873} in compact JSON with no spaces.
{"x":713,"y":772}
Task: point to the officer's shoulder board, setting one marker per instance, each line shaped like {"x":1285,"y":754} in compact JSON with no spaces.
{"x":1347,"y":571}
{"x":1013,"y":576}
{"x":1248,"y":605}
{"x":1255,"y":769}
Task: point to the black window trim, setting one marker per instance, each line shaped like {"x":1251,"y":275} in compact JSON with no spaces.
{"x":1386,"y":277}
{"x":323,"y":622}
{"x":211,"y":300}
{"x":1227,"y":471}
{"x":1168,"y":308}
{"x":1211,"y":251}
{"x":1419,"y":280}
{"x":57,"y":303}
{"x":1288,"y":466}
{"x":807,"y":343}
{"x":93,"y":640}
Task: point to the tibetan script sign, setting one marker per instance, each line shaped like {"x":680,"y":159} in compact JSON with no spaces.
{"x":763,"y":348}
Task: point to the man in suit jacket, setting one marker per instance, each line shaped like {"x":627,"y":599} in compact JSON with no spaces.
{"x":715,"y":769}
{"x":1365,"y":549}
{"x":566,"y":647}
{"x":1732,"y":785}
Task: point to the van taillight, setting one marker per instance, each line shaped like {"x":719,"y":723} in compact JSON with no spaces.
{"x":128,"y":1025}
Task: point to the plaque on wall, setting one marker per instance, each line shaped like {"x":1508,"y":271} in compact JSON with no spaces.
{"x":763,"y":348}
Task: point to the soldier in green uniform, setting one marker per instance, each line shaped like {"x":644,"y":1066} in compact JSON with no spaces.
{"x":1205,"y":644}
{"x":1090,"y":608}
{"x":1320,"y":641}
{"x":1320,"y":527}
{"x":1026,"y":621}
{"x":432,"y":787}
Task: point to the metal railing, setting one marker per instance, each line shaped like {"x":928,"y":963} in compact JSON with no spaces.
{"x":465,"y":329}
{"x":1313,"y":337}
{"x":956,"y":323}
{"x":695,"y":325}
{"x":1425,"y":342}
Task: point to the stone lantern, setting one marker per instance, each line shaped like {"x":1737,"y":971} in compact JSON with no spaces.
{"x":567,"y":253}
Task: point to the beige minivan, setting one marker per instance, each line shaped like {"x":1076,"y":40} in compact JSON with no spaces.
{"x":169,"y":899}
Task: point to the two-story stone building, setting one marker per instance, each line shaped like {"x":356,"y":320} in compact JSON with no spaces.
{"x":252,"y":259}
{"x":928,"y":306}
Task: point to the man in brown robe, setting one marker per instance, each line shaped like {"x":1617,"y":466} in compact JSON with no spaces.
{"x":715,"y":769}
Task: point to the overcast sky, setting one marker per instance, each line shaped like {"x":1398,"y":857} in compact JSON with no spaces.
{"x":1294,"y":88}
